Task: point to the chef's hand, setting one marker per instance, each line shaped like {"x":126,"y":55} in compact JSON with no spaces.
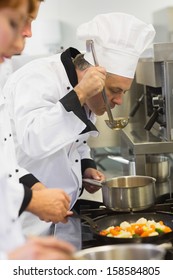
{"x":91,"y":173}
{"x":43,"y":248}
{"x":92,"y":83}
{"x":50,"y":205}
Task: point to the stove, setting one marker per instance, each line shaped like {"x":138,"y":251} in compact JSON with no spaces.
{"x":96,"y":210}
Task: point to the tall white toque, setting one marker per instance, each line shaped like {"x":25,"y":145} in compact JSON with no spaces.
{"x":119,"y":41}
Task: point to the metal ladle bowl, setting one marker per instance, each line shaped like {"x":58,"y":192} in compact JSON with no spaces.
{"x":118,"y":123}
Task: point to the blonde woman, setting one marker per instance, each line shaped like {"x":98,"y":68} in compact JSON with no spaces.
{"x":13,"y":16}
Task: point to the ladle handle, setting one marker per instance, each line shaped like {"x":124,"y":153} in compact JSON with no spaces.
{"x":108,"y":109}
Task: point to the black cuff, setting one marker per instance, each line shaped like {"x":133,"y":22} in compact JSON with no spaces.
{"x":87,"y":163}
{"x":71,"y":103}
{"x":28,"y":180}
{"x":26,"y":200}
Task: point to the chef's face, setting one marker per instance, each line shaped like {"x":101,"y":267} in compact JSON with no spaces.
{"x":115,"y":88}
{"x":19,"y":42}
{"x":11,"y":23}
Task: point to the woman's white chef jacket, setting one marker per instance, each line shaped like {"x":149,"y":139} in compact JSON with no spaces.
{"x":7,"y":141}
{"x":50,"y":125}
{"x":11,"y":192}
{"x":14,"y":197}
{"x":10,"y":229}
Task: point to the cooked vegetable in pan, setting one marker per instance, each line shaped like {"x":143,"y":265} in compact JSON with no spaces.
{"x":141,"y":228}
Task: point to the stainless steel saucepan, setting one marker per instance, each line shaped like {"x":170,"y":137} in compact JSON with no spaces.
{"x":127,"y":193}
{"x":157,"y":166}
{"x":122,"y":252}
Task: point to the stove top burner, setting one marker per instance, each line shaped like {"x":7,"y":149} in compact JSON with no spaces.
{"x":96,"y":209}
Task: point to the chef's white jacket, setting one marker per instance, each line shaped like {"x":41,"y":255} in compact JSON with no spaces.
{"x":10,"y":230}
{"x":16,"y":172}
{"x":14,"y":196}
{"x":50,"y":126}
{"x":11,"y":192}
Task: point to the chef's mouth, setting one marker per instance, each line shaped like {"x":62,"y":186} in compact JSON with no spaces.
{"x":8,"y":56}
{"x":111,"y":106}
{"x":2,"y":58}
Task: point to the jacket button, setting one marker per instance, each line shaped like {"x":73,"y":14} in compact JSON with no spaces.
{"x":5,"y":139}
{"x":76,"y":160}
{"x":77,"y":140}
{"x":68,"y":88}
{"x":10,"y":135}
{"x":9,"y":175}
{"x":17,"y":170}
{"x":84,"y":142}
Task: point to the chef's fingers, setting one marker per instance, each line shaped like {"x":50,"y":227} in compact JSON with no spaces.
{"x":91,"y":189}
{"x":69,"y":213}
{"x":92,"y":83}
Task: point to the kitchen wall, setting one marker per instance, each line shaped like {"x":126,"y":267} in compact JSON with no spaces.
{"x":71,"y":13}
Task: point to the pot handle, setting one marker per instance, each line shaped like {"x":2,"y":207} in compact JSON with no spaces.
{"x":92,"y":182}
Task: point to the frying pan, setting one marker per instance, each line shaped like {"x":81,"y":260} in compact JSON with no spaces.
{"x":115,"y":220}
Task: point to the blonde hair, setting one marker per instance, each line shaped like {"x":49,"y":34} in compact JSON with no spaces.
{"x":10,"y":3}
{"x":16,"y":3}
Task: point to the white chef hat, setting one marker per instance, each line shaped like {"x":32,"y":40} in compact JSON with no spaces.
{"x":119,"y":40}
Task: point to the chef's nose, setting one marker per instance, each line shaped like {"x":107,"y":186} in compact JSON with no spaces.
{"x":118,"y":99}
{"x":27,"y":32}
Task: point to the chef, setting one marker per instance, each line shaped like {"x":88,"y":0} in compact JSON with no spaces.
{"x":53,"y":102}
{"x":47,"y":204}
{"x":12,"y":241}
{"x":9,"y":204}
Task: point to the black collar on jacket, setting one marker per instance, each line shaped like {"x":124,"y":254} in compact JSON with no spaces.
{"x":71,"y":101}
{"x":66,"y":58}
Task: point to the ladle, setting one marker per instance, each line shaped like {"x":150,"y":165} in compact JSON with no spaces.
{"x":120,"y":122}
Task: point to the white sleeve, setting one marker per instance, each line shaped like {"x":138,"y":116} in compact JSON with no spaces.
{"x":84,"y":150}
{"x":42,"y":124}
{"x":3,"y":256}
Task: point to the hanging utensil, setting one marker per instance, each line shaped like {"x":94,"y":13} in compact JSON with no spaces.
{"x":136,"y":106}
{"x":112,"y":123}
